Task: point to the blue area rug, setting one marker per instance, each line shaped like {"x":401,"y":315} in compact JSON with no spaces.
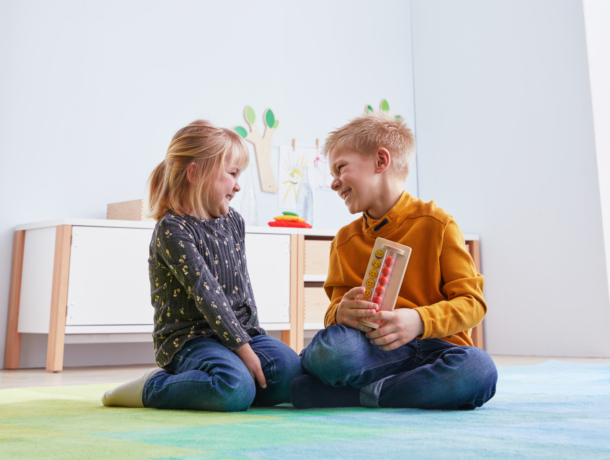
{"x":551,"y":410}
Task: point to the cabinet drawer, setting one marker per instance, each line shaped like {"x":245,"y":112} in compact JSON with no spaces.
{"x":316,"y":303}
{"x":316,"y":257}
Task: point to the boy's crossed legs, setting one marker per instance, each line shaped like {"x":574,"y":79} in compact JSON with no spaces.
{"x":425,"y":374}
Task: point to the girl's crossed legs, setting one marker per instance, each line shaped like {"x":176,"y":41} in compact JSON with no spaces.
{"x":426,"y":374}
{"x":205,"y":375}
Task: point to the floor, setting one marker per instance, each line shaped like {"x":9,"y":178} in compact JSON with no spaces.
{"x":116,"y":374}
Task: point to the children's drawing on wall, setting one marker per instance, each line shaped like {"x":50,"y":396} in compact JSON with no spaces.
{"x":321,"y":178}
{"x":292,"y":163}
{"x":293,"y":160}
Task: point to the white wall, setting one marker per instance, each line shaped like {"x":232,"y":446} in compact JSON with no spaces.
{"x":506,"y":144}
{"x":91,"y":93}
{"x":597,"y":18}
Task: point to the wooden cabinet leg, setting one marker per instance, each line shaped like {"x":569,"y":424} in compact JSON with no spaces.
{"x":477,"y":336}
{"x":290,"y":337}
{"x":59,"y":298}
{"x":477,"y":332}
{"x":300,"y":329}
{"x":13,"y":337}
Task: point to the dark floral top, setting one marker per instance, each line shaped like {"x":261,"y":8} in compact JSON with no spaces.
{"x":200,"y":284}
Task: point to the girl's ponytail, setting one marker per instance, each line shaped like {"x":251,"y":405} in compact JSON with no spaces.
{"x":157,"y":204}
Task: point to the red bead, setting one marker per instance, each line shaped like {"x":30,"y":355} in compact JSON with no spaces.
{"x":386,"y":271}
{"x":379,"y":290}
{"x":389,"y":261}
{"x":378,"y":299}
{"x":383,"y":280}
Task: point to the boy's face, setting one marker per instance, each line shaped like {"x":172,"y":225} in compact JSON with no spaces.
{"x":354,"y":179}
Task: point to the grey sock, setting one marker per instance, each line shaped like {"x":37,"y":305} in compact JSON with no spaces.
{"x":129,"y":394}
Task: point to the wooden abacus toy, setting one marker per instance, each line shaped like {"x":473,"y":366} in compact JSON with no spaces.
{"x":384,"y":275}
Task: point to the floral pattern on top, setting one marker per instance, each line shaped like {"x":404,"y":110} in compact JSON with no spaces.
{"x":200,"y":284}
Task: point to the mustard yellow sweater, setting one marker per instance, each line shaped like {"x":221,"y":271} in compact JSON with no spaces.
{"x":441,"y":281}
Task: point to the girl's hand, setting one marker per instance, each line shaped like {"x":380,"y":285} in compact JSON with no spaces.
{"x":402,"y":326}
{"x":253,"y":363}
{"x":352,"y":308}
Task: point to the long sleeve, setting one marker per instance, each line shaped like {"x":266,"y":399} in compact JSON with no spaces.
{"x":332,"y":287}
{"x":462,"y":287}
{"x":178,"y":248}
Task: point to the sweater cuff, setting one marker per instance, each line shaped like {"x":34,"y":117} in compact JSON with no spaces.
{"x":233,"y":343}
{"x":425,"y":317}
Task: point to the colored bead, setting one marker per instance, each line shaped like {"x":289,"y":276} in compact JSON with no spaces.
{"x":379,"y":290}
{"x":386,"y":271}
{"x":389,"y":261}
{"x":378,"y":299}
{"x":383,"y":280}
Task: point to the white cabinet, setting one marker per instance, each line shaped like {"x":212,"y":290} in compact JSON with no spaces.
{"x":268,"y":259}
{"x":82,"y":281}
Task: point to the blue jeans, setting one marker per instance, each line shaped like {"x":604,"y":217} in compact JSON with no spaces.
{"x":206,"y":375}
{"x":425,"y":374}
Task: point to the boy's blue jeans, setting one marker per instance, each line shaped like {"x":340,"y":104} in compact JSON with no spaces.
{"x":425,"y":374}
{"x":206,"y":375}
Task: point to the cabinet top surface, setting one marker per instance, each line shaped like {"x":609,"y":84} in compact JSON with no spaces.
{"x":150,"y":225}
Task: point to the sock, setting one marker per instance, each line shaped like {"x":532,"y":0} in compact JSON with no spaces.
{"x":129,"y":394}
{"x":307,"y":392}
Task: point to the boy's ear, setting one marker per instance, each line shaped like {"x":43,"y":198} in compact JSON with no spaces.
{"x":382,"y":160}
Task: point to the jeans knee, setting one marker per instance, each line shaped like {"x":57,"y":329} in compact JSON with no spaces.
{"x":332,"y":354}
{"x":239,"y":396}
{"x":481,"y":377}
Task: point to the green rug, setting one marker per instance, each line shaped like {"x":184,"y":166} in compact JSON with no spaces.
{"x":551,"y":410}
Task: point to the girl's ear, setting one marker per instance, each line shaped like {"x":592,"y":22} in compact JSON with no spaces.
{"x":382,"y":160}
{"x":190,"y":173}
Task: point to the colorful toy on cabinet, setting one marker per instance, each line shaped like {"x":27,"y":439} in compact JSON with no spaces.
{"x":384,"y":275}
{"x":289,"y":219}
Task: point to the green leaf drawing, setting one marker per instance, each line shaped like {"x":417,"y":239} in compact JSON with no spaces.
{"x":385,"y":106}
{"x":249,"y":114}
{"x":368,"y":109}
{"x":277,"y":122}
{"x":241,"y":131}
{"x":269,"y":118}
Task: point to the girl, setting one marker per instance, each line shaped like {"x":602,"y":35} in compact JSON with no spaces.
{"x":211,"y":351}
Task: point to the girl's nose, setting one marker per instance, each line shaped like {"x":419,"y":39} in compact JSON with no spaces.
{"x":335,"y":184}
{"x":236,"y":187}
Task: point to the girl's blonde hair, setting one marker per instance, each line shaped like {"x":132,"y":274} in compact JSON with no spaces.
{"x":204,"y":145}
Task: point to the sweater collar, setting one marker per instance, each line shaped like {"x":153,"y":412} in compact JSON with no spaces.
{"x":374,"y":228}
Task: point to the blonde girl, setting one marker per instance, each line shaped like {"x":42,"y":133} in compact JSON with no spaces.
{"x":211,"y":351}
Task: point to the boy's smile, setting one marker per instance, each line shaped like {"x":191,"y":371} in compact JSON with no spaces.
{"x":363,"y":182}
{"x":354,"y":179}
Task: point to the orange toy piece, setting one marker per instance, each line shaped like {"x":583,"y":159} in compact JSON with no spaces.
{"x":288,"y":223}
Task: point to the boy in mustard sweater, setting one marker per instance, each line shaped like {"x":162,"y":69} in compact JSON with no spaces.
{"x":422,"y":356}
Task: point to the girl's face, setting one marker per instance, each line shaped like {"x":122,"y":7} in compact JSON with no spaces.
{"x":224,"y":189}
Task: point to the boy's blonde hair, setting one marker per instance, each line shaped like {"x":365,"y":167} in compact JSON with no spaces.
{"x":206,"y":146}
{"x":369,"y":132}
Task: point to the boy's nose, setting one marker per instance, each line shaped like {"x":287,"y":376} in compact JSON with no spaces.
{"x":335,"y":184}
{"x":237,"y":188}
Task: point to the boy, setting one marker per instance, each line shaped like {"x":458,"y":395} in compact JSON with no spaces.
{"x":422,"y":357}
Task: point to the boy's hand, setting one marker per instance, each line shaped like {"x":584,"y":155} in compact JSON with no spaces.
{"x":253,"y":363}
{"x":352,"y":308}
{"x":402,"y":326}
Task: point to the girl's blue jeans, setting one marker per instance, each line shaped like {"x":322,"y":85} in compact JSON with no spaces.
{"x":425,"y":374}
{"x":206,"y":375}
